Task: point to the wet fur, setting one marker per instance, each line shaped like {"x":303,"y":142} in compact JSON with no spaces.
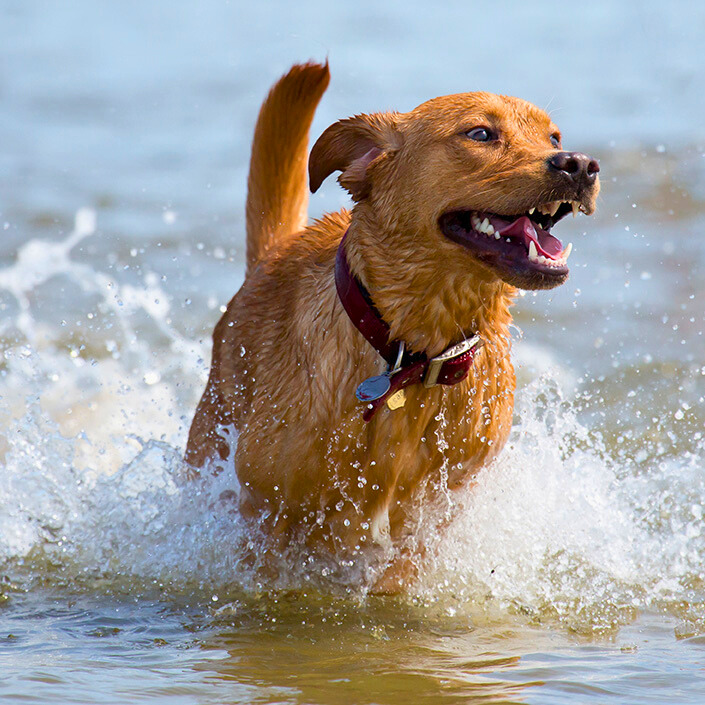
{"x":286,"y":358}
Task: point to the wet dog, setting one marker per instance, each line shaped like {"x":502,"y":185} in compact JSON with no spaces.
{"x":365,"y":360}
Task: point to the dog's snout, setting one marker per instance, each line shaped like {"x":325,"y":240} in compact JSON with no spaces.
{"x":576,"y":165}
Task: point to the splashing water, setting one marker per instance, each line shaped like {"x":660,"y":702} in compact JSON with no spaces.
{"x":558,"y":528}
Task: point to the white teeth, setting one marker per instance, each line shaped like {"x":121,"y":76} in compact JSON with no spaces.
{"x":576,"y":208}
{"x":533,"y":252}
{"x":475,"y":222}
{"x":531,"y":211}
{"x":483,"y":227}
{"x":549,"y":208}
{"x":497,"y":236}
{"x":536,"y":258}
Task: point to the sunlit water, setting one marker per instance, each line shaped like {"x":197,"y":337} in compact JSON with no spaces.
{"x":573,"y":572}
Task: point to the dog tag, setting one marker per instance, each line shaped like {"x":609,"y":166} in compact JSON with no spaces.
{"x":397,"y":400}
{"x":373,"y":388}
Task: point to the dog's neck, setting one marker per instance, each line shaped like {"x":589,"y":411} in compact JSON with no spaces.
{"x":426,"y":311}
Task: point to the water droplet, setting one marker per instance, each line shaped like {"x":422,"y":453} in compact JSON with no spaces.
{"x":152,"y":377}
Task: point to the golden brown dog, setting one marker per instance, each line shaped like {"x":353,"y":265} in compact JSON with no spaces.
{"x":453,"y":206}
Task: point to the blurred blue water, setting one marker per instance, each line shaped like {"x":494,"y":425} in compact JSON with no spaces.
{"x":135,"y":101}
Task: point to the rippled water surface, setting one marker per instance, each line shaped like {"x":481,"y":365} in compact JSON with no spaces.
{"x":573,"y":573}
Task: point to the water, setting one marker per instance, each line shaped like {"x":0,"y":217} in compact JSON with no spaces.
{"x":575,"y":570}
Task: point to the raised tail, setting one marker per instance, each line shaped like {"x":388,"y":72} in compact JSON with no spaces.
{"x":277,"y":186}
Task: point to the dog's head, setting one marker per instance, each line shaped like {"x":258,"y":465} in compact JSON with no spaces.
{"x":481,"y":178}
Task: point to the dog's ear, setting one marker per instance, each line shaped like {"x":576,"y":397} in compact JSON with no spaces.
{"x":350,"y":146}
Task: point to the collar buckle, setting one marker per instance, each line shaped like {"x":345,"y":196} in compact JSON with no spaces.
{"x":435,"y":364}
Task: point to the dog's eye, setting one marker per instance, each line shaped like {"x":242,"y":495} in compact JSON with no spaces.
{"x":481,"y":134}
{"x":556,"y":141}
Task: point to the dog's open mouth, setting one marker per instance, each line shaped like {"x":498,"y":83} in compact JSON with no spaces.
{"x":519,"y":246}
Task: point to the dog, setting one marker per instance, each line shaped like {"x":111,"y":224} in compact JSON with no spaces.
{"x":364,"y":364}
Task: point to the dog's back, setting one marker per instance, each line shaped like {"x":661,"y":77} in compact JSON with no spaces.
{"x":277,"y":199}
{"x":277,"y":188}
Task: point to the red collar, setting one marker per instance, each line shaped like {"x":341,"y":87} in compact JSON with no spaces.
{"x":403,"y":369}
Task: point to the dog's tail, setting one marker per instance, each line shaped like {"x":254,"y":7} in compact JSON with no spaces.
{"x":277,"y":186}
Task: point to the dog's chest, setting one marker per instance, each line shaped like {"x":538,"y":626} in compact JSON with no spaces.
{"x":449,"y":432}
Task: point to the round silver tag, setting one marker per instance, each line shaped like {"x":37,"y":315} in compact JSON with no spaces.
{"x":373,"y":388}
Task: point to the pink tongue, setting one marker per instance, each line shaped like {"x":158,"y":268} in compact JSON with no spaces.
{"x":525,"y":230}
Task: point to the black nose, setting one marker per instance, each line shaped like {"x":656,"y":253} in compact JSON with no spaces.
{"x":576,"y":165}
